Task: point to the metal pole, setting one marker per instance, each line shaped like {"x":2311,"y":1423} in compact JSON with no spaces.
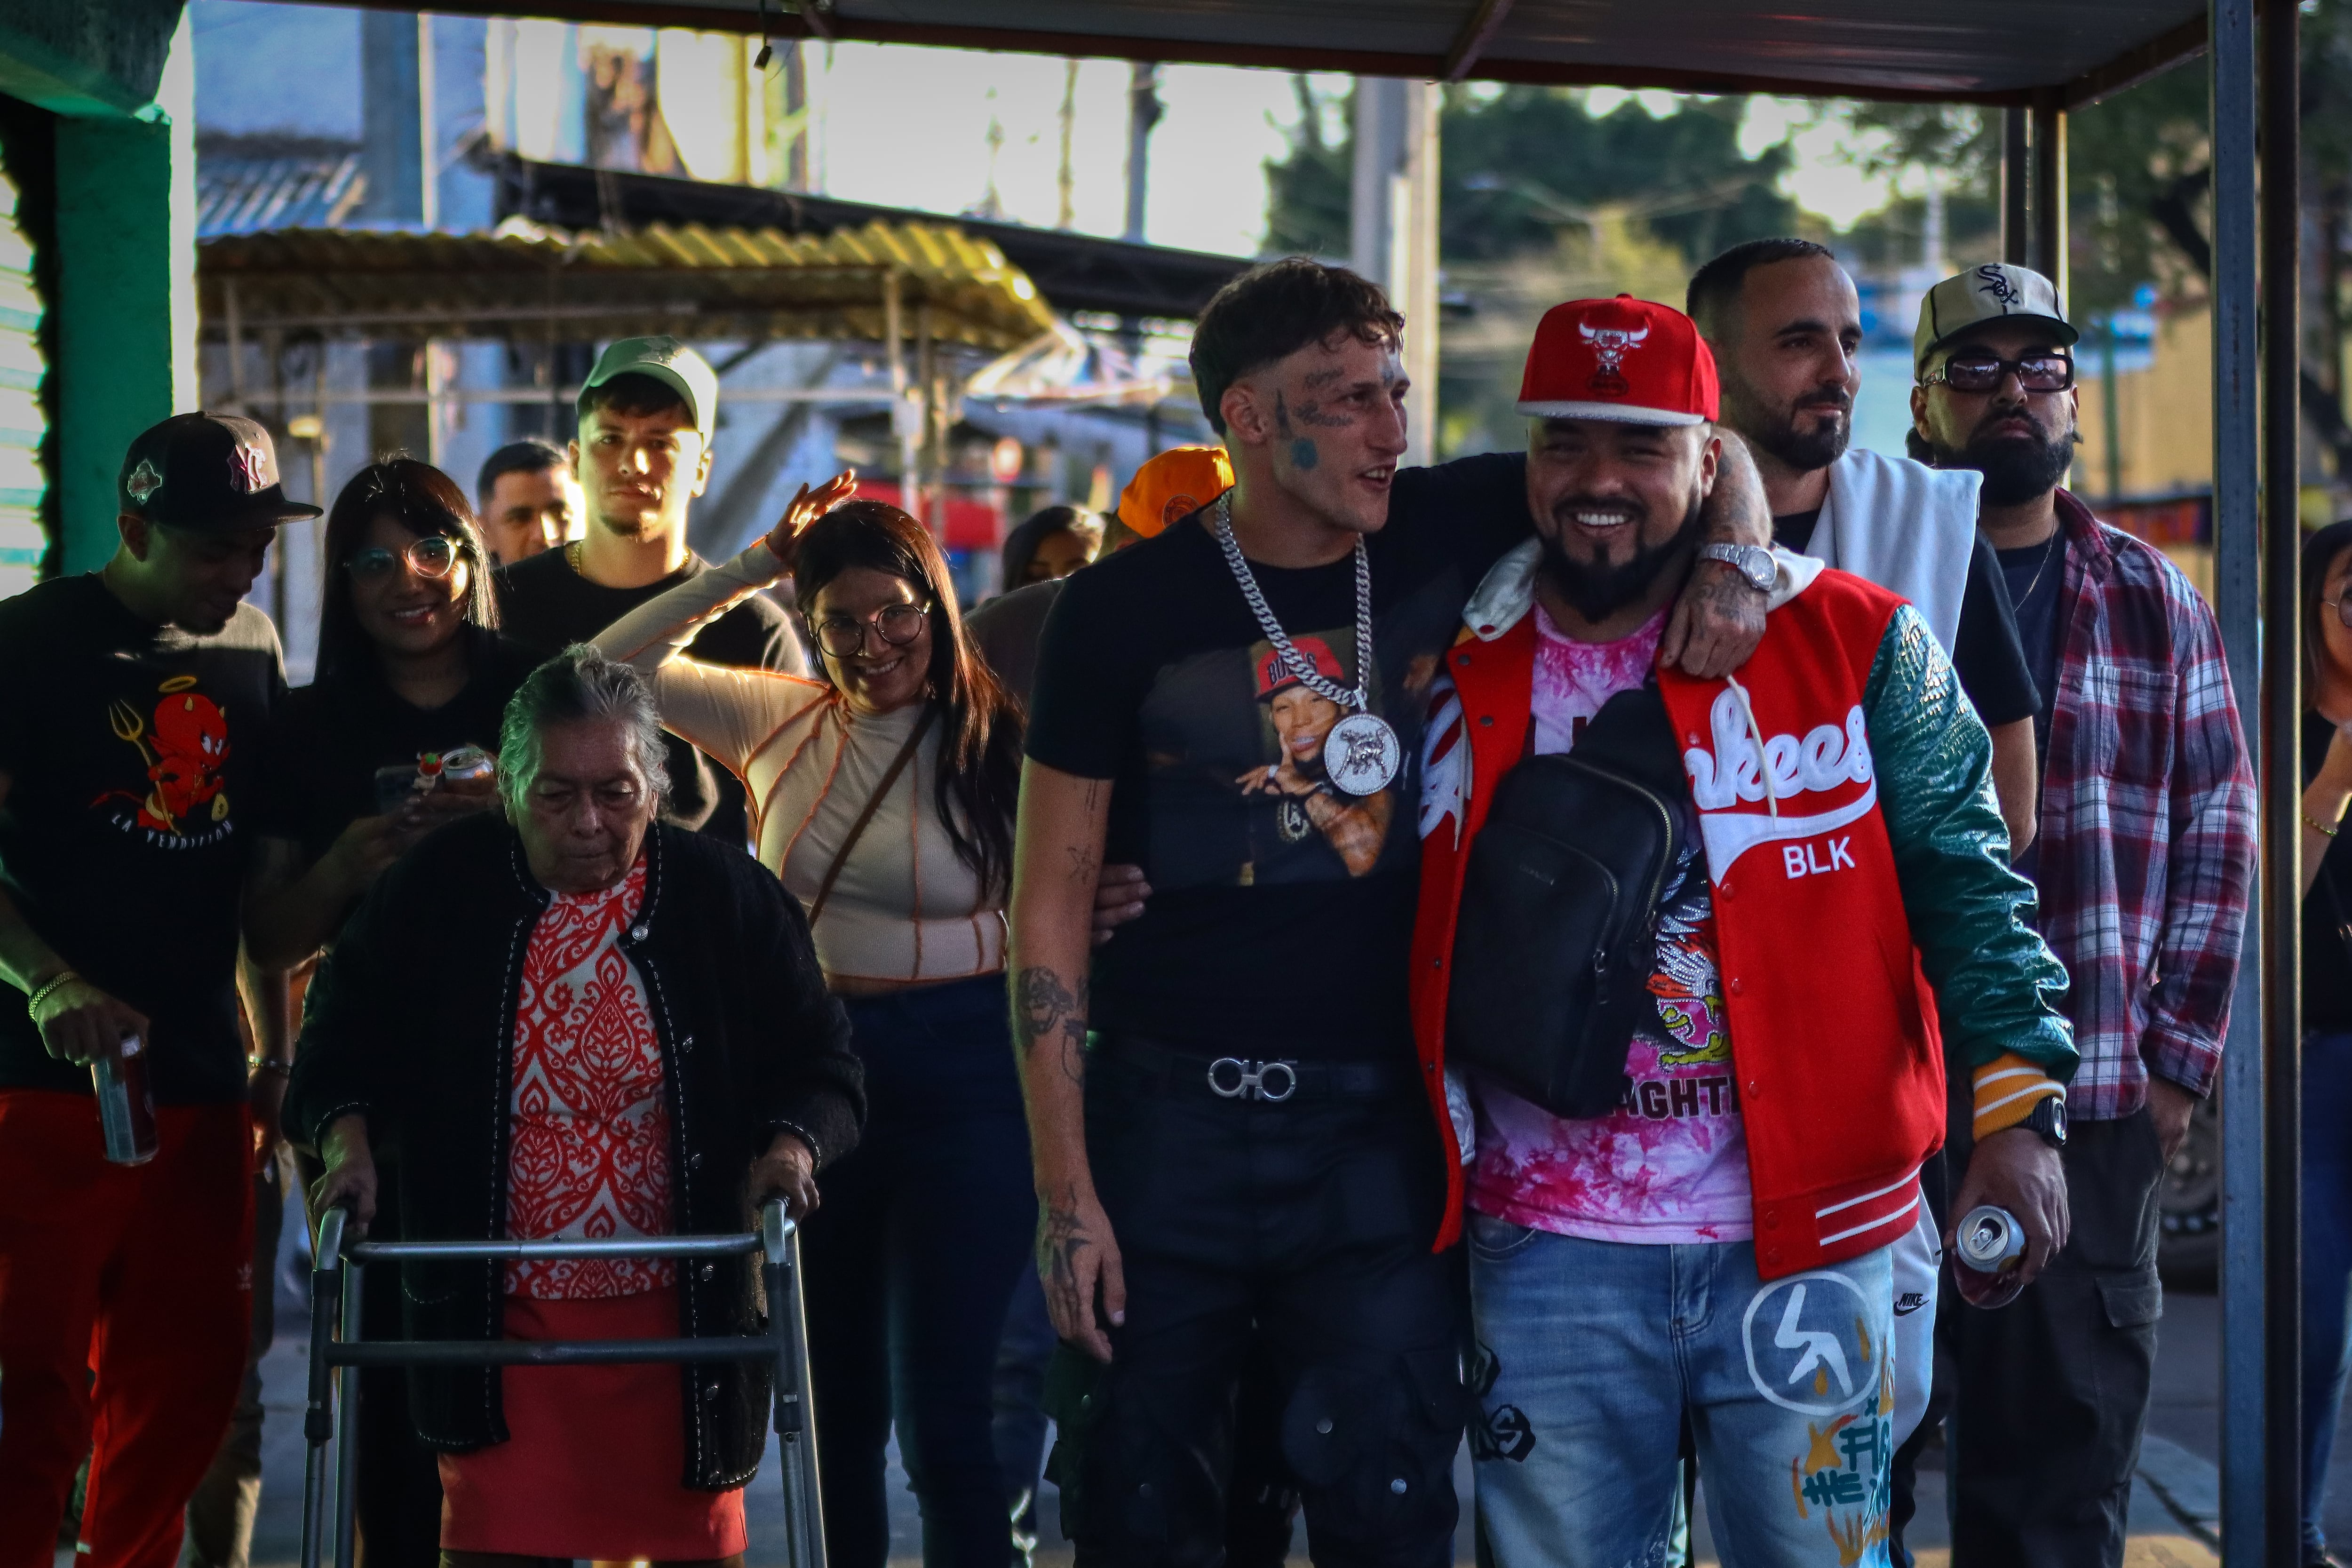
{"x":2049,"y":143}
{"x":236,"y":345}
{"x":2237,"y":576}
{"x":347,"y":1427}
{"x":903,"y":419}
{"x":2014,"y":211}
{"x":935,"y":466}
{"x":795,"y":1419}
{"x":2281,"y":776}
{"x":319,"y":1418}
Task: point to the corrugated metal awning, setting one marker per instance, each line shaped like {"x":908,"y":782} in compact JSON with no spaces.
{"x":2060,"y":52}
{"x":701,"y":283}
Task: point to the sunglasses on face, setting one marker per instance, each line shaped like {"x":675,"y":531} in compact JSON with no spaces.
{"x":1969,"y":371}
{"x":844,"y":636}
{"x":433,"y":556}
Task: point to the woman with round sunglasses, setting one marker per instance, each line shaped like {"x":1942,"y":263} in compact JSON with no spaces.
{"x":410,"y":664}
{"x":882,"y":797}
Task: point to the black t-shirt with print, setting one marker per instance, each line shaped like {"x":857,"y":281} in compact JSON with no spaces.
{"x":333,"y":736}
{"x":1280,"y":920}
{"x":546,"y":607}
{"x":132,"y":754}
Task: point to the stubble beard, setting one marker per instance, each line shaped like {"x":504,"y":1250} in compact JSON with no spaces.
{"x":1775,"y":431}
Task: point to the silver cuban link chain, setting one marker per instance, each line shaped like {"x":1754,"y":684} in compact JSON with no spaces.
{"x":1298,"y":664}
{"x":1361,"y":753}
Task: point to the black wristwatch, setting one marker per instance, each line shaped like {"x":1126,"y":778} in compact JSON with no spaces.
{"x":2049,"y":1120}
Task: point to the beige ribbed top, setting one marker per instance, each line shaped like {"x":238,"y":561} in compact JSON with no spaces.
{"x":905,"y":907}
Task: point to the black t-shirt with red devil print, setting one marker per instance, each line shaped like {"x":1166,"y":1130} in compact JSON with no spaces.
{"x":130,"y":752}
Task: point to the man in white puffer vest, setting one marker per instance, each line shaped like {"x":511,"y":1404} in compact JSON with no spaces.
{"x":1785,"y":324}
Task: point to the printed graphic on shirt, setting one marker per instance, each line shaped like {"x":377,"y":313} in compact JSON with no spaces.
{"x":182,"y":743}
{"x":591,"y":1129}
{"x":1670,"y":1163}
{"x":1242,"y":796}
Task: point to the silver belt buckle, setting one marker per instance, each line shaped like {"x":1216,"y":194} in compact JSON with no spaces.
{"x":1254,"y":1080}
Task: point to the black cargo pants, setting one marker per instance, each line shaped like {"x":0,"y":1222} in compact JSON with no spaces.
{"x":2050,"y":1393}
{"x":1305,"y":1225}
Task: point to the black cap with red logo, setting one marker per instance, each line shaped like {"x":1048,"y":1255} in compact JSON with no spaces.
{"x":211,"y":471}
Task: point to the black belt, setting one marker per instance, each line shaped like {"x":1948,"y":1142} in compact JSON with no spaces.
{"x":1155,"y":1069}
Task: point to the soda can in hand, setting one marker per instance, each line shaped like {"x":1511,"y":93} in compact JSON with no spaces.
{"x":126,"y":1105}
{"x":1989,"y":1260}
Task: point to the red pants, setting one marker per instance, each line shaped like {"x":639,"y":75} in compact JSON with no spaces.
{"x":126,"y":1292}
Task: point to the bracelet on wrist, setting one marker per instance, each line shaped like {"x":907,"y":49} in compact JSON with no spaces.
{"x":41,"y":993}
{"x":269,"y":1063}
{"x":2318,"y":826}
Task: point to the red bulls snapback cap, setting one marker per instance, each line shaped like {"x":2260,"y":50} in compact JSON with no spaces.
{"x":1622,"y":358}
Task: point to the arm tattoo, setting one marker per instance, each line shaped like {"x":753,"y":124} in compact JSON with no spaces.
{"x":1084,"y":867}
{"x":1061,"y":1236}
{"x":1045,"y":1007}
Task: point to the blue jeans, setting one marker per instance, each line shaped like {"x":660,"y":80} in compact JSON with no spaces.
{"x":2327,"y":1259}
{"x":912,"y":1257}
{"x":1591,"y":1354}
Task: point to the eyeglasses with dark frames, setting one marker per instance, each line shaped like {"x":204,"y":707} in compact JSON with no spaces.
{"x":844,"y":636}
{"x":1973,"y":372}
{"x":433,"y":557}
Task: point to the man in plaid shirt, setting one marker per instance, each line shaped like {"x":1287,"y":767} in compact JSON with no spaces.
{"x":2143,"y":861}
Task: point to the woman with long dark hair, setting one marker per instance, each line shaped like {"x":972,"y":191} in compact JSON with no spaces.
{"x":1051,"y":545}
{"x":410,"y":664}
{"x":882,"y":797}
{"x":2327,"y":1010}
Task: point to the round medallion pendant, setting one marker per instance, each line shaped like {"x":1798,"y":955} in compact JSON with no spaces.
{"x":1362,"y":755}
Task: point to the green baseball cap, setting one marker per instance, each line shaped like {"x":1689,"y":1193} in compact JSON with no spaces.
{"x":667,"y":361}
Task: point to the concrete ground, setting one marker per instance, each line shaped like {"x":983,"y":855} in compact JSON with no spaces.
{"x":2175,"y":1503}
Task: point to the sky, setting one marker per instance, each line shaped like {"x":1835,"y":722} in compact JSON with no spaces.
{"x":1222,"y":126}
{"x":911,"y":127}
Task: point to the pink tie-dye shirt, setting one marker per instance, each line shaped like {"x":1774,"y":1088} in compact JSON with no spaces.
{"x":1670,"y":1164}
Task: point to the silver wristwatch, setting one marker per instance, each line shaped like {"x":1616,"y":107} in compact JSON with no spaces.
{"x":1752,"y":562}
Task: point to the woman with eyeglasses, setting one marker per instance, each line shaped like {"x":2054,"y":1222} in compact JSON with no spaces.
{"x":882,"y":797}
{"x":2327,"y":1010}
{"x":410,"y":663}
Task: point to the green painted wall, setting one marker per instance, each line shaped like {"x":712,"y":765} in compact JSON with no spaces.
{"x":126,"y":320}
{"x":119,"y":75}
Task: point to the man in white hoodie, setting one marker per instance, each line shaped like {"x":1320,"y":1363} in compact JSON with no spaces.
{"x":1784,"y":322}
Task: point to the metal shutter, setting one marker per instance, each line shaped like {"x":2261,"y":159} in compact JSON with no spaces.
{"x":23,"y":424}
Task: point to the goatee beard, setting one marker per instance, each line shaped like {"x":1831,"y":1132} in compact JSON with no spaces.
{"x":2014,"y":471}
{"x":1598,"y":591}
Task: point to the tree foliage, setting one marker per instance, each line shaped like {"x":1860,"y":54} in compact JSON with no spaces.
{"x":1524,"y":162}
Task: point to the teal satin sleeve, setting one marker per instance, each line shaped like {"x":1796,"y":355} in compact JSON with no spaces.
{"x":1997,"y":985}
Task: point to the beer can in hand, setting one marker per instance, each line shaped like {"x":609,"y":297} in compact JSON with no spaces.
{"x":126,"y":1105}
{"x":1989,"y":1256}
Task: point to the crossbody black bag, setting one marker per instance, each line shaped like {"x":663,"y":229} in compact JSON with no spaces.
{"x":1557,"y":935}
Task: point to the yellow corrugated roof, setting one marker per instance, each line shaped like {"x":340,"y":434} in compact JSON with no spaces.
{"x":695,"y":281}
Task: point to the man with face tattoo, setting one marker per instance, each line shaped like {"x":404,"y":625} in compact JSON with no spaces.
{"x":2142,"y":864}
